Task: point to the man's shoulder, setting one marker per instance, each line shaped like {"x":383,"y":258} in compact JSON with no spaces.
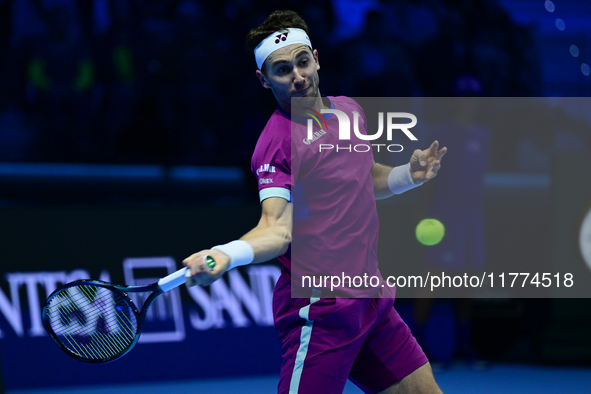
{"x":278,"y":120}
{"x":275,"y":134}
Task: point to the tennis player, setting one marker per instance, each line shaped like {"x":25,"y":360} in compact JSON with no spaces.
{"x":325,"y":340}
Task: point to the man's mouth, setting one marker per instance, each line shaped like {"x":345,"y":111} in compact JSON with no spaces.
{"x":301,"y":92}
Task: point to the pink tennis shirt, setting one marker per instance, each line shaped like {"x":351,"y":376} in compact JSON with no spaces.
{"x":329,"y":182}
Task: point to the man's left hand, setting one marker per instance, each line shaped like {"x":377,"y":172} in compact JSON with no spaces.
{"x":424,"y":164}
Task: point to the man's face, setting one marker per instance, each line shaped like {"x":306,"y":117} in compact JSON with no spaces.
{"x":291,"y":71}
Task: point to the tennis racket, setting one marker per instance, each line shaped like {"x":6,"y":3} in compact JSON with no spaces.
{"x":97,"y":322}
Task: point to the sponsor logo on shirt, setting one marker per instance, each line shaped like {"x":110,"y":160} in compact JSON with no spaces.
{"x":265,"y":181}
{"x":265,"y":168}
{"x":316,"y":135}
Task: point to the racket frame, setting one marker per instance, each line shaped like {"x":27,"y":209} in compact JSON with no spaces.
{"x":165,"y":284}
{"x":120,"y":291}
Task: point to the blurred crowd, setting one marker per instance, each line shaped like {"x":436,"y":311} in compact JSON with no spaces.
{"x":169,"y":81}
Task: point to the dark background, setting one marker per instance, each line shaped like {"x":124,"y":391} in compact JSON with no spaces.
{"x":95,"y":93}
{"x":169,"y":81}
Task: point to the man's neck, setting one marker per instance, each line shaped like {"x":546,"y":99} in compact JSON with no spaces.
{"x":300,"y":105}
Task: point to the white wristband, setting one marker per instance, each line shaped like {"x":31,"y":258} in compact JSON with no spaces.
{"x":399,"y":179}
{"x":240,"y":253}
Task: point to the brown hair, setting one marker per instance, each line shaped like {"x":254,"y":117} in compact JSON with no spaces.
{"x":278,"y":20}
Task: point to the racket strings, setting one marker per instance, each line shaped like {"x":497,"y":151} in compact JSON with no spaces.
{"x":95,"y":342}
{"x":93,"y":345}
{"x":92,"y":321}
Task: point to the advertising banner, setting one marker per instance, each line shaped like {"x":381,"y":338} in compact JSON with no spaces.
{"x":189,"y":332}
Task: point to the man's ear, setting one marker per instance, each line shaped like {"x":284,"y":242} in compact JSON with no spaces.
{"x":263,"y":79}
{"x":315,"y":52}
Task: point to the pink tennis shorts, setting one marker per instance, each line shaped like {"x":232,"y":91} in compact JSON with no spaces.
{"x":326,"y":341}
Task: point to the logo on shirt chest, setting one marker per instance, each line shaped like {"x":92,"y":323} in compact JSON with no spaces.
{"x":315,"y":136}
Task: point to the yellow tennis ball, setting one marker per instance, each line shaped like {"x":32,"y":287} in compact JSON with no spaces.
{"x":430,"y":232}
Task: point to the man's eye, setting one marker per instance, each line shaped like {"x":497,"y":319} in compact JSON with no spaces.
{"x":304,"y":62}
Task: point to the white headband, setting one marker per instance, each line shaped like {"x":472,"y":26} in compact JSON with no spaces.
{"x":278,"y":40}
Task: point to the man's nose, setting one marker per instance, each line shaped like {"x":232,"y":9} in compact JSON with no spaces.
{"x":298,"y":78}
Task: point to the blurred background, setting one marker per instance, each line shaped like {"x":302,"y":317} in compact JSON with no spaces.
{"x":126,"y":131}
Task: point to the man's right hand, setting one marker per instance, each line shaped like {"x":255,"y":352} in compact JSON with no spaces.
{"x":201,"y":274}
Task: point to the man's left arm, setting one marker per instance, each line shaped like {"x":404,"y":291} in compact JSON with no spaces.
{"x":423,"y":166}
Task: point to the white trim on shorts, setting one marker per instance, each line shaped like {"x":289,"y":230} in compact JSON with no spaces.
{"x":298,"y":365}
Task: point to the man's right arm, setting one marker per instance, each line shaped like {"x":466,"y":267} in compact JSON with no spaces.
{"x":272,"y":236}
{"x":269,"y":239}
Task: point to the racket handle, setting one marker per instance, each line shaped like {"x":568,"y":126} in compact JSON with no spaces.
{"x":179,"y":277}
{"x":173,"y":280}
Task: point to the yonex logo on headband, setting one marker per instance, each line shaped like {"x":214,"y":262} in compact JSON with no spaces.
{"x":281,"y":37}
{"x":278,"y":40}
